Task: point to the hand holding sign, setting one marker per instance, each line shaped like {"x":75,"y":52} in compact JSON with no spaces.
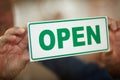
{"x":114,"y":34}
{"x":13,"y":54}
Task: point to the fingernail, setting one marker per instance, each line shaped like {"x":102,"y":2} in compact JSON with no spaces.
{"x":22,"y":30}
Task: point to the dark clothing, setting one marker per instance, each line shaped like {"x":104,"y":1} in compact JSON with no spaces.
{"x":73,"y":69}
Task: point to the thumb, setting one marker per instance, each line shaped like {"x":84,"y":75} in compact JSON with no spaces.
{"x":25,"y":57}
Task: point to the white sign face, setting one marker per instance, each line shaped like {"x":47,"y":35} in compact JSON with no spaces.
{"x":63,"y":38}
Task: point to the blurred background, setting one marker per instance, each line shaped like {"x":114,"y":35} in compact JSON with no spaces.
{"x":19,"y":12}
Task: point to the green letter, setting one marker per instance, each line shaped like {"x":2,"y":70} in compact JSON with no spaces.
{"x":76,"y":36}
{"x":52,"y":40}
{"x":62,"y":38}
{"x":90,"y":34}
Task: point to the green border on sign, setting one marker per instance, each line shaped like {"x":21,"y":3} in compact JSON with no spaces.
{"x":71,"y":54}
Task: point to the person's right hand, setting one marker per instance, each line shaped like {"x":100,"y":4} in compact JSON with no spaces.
{"x":13,"y":53}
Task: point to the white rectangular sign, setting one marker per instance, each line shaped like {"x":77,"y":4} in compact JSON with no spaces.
{"x":62,"y":38}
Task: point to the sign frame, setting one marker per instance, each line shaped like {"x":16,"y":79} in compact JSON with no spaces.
{"x":70,"y":54}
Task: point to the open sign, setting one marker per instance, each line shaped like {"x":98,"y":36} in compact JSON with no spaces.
{"x":62,"y":38}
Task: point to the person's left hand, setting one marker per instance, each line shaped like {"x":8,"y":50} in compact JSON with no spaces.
{"x":114,"y":33}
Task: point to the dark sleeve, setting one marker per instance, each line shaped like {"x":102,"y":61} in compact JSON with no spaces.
{"x":73,"y":69}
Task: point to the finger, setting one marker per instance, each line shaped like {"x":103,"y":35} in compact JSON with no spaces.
{"x":25,"y":55}
{"x":24,"y":27}
{"x":112,"y":40}
{"x":5,"y":39}
{"x":116,"y":45}
{"x":15,"y":30}
{"x":24,"y":59}
{"x":118,"y":24}
{"x":24,"y":42}
{"x":117,"y":36}
{"x":20,"y":37}
{"x":113,"y":24}
{"x":111,"y":35}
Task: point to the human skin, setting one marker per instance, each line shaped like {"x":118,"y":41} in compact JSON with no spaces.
{"x":13,"y":53}
{"x":14,"y":56}
{"x":111,"y":59}
{"x":114,"y":36}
